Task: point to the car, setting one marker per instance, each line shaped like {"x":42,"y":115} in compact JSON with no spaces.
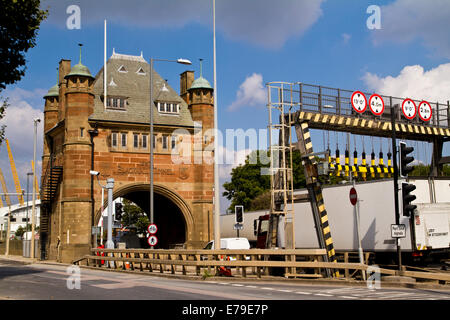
{"x":229,"y":244}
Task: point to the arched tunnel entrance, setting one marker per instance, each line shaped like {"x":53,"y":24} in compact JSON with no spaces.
{"x":167,"y":216}
{"x":172,"y":215}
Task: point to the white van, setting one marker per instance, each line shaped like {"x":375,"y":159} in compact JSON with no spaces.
{"x":230,"y":243}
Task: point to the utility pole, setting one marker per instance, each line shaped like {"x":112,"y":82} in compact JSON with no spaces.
{"x":394,"y":153}
{"x":33,"y":208}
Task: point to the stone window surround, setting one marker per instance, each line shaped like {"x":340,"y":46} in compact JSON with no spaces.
{"x":158,"y":148}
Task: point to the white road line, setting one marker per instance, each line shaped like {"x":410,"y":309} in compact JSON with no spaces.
{"x":266,"y":288}
{"x":237,"y":285}
{"x":323,"y":294}
{"x":284,"y":290}
{"x":347,"y":297}
{"x":301,"y":292}
{"x":253,"y":287}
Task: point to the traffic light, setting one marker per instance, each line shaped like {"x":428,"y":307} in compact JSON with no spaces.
{"x":408,"y":208}
{"x":239,"y":212}
{"x":119,"y":211}
{"x":405,"y":160}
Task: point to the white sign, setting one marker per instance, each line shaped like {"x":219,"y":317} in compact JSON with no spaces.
{"x":425,"y":111}
{"x":152,"y":228}
{"x":359,"y":101}
{"x":376,"y":104}
{"x":152,"y":240}
{"x":409,"y":109}
{"x":238,"y":226}
{"x":398,"y":231}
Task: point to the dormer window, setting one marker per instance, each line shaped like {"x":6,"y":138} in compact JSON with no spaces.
{"x":168,"y":107}
{"x":119,"y":103}
{"x":141,"y":72}
{"x":122,"y":69}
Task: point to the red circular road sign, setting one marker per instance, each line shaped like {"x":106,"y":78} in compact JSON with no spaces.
{"x":152,"y":228}
{"x":152,"y":241}
{"x":425,"y":111}
{"x":409,"y":109}
{"x":353,"y":196}
{"x":376,"y":104}
{"x":359,"y":101}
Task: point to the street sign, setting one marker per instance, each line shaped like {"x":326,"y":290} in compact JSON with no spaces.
{"x":238,"y":226}
{"x":353,"y":196}
{"x":376,"y":104}
{"x":398,"y":231}
{"x":359,"y":101}
{"x":409,"y":109}
{"x":425,"y":111}
{"x":152,"y":241}
{"x":152,"y":228}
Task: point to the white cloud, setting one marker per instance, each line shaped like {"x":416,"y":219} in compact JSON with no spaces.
{"x":265,"y":23}
{"x":251,"y":93}
{"x":406,"y":20}
{"x":414,"y":82}
{"x":20,"y":132}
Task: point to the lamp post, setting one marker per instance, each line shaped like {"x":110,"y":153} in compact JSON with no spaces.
{"x":180,"y":61}
{"x":33,"y":208}
{"x":26,"y":226}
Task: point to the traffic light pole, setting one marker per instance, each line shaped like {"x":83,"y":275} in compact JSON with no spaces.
{"x":394,"y":152}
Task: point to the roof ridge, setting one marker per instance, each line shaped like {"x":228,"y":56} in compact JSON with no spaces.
{"x":127,"y":57}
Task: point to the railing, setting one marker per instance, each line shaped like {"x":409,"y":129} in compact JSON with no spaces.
{"x":301,"y":263}
{"x":326,"y":100}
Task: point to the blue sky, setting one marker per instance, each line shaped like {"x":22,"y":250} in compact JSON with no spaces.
{"x":317,"y":42}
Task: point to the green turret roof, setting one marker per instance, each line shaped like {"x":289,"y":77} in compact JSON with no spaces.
{"x":80,"y":69}
{"x":200,"y":82}
{"x":53,"y":92}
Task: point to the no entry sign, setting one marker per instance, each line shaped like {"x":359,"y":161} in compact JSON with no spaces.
{"x":425,"y":111}
{"x":353,"y":196}
{"x":409,"y":109}
{"x":359,"y":101}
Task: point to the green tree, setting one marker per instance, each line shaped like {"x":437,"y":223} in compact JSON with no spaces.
{"x":249,"y":188}
{"x":20,"y":231}
{"x":134,"y":215}
{"x":19,"y":25}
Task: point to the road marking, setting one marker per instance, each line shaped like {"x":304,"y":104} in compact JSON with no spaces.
{"x":253,"y":287}
{"x":301,"y":292}
{"x":347,"y":297}
{"x":323,"y":294}
{"x":266,"y":288}
{"x":237,"y":285}
{"x":284,"y":290}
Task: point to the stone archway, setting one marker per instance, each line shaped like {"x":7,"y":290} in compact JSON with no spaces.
{"x":172,"y":214}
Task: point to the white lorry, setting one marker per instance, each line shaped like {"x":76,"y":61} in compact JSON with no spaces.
{"x":427,"y":232}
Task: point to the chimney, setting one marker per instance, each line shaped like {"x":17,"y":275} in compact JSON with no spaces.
{"x":186,"y":79}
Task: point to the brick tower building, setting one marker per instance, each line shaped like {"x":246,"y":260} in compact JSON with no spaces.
{"x":83,"y":132}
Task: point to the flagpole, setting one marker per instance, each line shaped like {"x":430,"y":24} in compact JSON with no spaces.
{"x":104,"y":72}
{"x":216,"y":146}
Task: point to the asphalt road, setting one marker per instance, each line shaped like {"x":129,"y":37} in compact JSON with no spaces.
{"x":55,"y":282}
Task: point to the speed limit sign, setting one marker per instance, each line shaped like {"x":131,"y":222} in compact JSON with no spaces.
{"x":152,"y":241}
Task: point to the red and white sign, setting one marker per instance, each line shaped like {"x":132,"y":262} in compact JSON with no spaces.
{"x":152,"y":241}
{"x":425,"y":111}
{"x":376,"y":104}
{"x":359,"y":101}
{"x":152,"y":228}
{"x":409,"y":109}
{"x":353,"y":196}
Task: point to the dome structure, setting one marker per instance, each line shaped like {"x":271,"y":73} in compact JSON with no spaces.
{"x":80,"y":70}
{"x":53,"y":92}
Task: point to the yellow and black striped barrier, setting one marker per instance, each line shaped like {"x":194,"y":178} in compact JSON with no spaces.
{"x":363,"y":170}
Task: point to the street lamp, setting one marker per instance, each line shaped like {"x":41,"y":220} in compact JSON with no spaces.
{"x":33,"y":208}
{"x":109,"y":186}
{"x":26,"y":226}
{"x":180,"y":61}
